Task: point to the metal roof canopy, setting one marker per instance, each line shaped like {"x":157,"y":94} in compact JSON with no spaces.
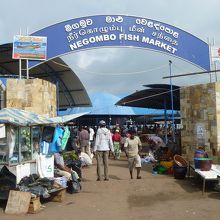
{"x":71,"y":91}
{"x":156,"y":96}
{"x":20,"y":117}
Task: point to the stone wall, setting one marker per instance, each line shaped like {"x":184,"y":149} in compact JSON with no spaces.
{"x":2,"y":95}
{"x":33,"y":95}
{"x":200,"y":112}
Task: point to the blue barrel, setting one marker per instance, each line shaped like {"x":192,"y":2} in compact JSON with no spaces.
{"x":205,"y":164}
{"x":200,"y":153}
{"x":179,"y":172}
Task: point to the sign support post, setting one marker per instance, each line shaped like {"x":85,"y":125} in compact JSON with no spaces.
{"x":20,"y":69}
{"x":27,"y":69}
{"x":171,"y":94}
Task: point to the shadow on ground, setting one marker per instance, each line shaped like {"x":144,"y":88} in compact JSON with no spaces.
{"x":195,"y":184}
{"x":215,"y":195}
{"x":153,"y":199}
{"x":114,"y":177}
{"x":120,"y":165}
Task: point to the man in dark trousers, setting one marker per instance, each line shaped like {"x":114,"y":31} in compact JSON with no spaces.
{"x":84,"y":140}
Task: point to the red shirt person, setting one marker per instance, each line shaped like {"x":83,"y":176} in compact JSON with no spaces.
{"x":116,"y":138}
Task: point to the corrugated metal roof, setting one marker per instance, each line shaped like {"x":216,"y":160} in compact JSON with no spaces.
{"x":104,"y":104}
{"x":157,"y":97}
{"x":24,"y":118}
{"x":71,"y":91}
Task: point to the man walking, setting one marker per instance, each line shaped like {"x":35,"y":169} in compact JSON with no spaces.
{"x":103,"y":144}
{"x":84,"y":141}
{"x":133,"y":146}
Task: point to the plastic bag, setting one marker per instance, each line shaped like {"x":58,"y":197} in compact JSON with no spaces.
{"x":73,"y":186}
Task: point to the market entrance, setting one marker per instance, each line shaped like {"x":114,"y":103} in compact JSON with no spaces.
{"x":123,"y":31}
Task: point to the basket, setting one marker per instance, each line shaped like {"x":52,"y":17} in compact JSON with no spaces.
{"x":179,"y":161}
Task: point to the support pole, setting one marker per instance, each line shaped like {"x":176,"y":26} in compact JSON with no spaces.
{"x":27,"y":66}
{"x":165,"y":120}
{"x":58,"y":96}
{"x":20,"y":64}
{"x":110,"y":119}
{"x":27,"y":63}
{"x":171,"y":95}
{"x":20,"y":68}
{"x":215,"y":66}
{"x":210,"y":58}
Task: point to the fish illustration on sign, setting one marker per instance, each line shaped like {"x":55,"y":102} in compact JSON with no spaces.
{"x":32,"y":46}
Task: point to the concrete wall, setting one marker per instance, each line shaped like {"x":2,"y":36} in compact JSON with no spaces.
{"x":200,"y":111}
{"x":33,"y":95}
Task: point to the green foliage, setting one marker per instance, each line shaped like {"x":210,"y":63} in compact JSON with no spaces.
{"x":25,"y":135}
{"x":71,"y":155}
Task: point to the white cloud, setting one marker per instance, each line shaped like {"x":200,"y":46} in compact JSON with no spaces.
{"x":85,"y":59}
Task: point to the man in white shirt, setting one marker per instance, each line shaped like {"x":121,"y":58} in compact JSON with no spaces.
{"x":103,"y":144}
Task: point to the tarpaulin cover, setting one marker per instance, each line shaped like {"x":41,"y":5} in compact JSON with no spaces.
{"x":24,"y":118}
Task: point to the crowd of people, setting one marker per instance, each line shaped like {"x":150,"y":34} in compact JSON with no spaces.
{"x":102,"y":142}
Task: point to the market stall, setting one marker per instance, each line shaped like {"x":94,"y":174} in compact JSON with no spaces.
{"x":20,"y":139}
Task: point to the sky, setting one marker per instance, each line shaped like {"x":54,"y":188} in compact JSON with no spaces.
{"x":119,"y":71}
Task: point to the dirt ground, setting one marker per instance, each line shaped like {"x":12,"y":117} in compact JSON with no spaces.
{"x":152,"y":197}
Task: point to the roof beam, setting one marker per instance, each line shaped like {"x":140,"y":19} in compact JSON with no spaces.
{"x":72,"y":90}
{"x":76,"y":105}
{"x":71,"y":103}
{"x":45,"y":74}
{"x":189,"y":74}
{"x":7,"y":70}
{"x":10,"y":61}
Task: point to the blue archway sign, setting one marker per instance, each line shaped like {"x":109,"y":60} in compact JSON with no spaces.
{"x":123,"y":31}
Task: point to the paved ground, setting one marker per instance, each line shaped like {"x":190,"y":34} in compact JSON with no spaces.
{"x":153,"y":197}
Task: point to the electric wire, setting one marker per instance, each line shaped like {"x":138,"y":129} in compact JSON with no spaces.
{"x":122,"y":73}
{"x":151,"y":96}
{"x":113,"y":74}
